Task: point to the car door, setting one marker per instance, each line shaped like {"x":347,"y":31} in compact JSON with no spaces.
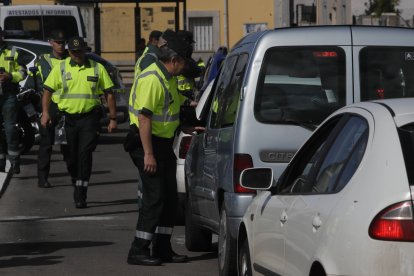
{"x":313,"y":197}
{"x":203,"y":190}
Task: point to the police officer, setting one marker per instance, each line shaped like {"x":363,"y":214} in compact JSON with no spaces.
{"x":45,"y":63}
{"x":186,"y":82}
{"x":150,"y":53}
{"x":81,"y":81}
{"x":10,"y":75}
{"x":155,"y":103}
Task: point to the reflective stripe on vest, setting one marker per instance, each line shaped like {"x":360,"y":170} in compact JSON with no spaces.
{"x":65,"y":88}
{"x":13,"y":52}
{"x":165,"y":117}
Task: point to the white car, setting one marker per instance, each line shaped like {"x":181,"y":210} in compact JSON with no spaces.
{"x":344,"y":204}
{"x":181,"y":145}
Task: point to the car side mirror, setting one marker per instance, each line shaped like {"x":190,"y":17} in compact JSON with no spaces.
{"x":257,"y":178}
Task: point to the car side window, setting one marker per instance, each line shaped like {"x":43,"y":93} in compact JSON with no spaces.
{"x":297,"y":177}
{"x":343,"y":157}
{"x":222,"y":85}
{"x":231,"y":96}
{"x":335,"y":160}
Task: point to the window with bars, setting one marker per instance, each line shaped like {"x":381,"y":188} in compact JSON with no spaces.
{"x":202,"y":28}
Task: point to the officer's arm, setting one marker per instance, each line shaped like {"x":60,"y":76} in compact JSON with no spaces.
{"x":111,"y":100}
{"x":145,"y":130}
{"x":47,"y":95}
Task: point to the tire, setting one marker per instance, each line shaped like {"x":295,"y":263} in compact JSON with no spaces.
{"x":196,"y":239}
{"x":227,"y":247}
{"x":244,"y":263}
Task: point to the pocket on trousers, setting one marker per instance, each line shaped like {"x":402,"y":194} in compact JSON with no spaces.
{"x":132,"y":141}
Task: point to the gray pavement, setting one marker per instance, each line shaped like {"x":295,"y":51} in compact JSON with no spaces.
{"x":42,"y":233}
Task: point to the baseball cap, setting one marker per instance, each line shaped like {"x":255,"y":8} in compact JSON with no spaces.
{"x":57,"y":35}
{"x":76,"y":43}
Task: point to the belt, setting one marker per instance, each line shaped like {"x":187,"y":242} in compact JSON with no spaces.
{"x":77,"y":116}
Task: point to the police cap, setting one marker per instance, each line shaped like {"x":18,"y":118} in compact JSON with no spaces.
{"x":186,"y":35}
{"x":76,"y":43}
{"x":178,"y":45}
{"x":57,"y":35}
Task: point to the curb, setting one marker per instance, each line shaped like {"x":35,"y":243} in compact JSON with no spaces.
{"x":5,"y":179}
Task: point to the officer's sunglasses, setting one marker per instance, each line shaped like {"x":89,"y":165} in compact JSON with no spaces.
{"x":59,"y":42}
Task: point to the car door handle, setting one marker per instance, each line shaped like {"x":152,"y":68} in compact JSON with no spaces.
{"x":283,"y":217}
{"x":317,"y":222}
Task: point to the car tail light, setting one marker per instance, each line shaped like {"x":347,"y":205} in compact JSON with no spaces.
{"x":241,"y":162}
{"x":325,"y":54}
{"x":184,"y":146}
{"x":394,"y":223}
{"x":380,"y":93}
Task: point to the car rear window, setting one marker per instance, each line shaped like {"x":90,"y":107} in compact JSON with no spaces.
{"x":386,"y":72}
{"x":406,"y":134}
{"x":300,"y":84}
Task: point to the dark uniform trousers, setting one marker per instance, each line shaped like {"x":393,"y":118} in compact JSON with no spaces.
{"x":47,"y":139}
{"x":9,"y":111}
{"x":159,"y":201}
{"x":82,"y":133}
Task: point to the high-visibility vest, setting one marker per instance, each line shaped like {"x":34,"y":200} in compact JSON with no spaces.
{"x":81,"y":86}
{"x":155,"y":91}
{"x":45,"y":63}
{"x":8,"y":61}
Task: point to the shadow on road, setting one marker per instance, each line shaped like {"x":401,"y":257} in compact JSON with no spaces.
{"x":25,"y":261}
{"x":39,"y":248}
{"x":92,"y":204}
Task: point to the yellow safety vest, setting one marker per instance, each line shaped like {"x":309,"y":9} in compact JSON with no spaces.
{"x":185,"y":84}
{"x":8,"y":61}
{"x":81,"y":86}
{"x":155,"y":91}
{"x":44,"y":70}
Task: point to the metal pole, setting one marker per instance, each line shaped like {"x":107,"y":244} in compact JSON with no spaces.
{"x":97,"y":28}
{"x":177,"y":15}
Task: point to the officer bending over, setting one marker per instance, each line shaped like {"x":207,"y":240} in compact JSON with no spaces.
{"x":155,"y":104}
{"x":81,"y":82}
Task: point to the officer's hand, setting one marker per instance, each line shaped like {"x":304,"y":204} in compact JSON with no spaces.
{"x":150,"y":164}
{"x":112,"y":126}
{"x":45,"y":120}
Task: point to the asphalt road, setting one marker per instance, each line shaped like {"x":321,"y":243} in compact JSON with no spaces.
{"x":42,"y":233}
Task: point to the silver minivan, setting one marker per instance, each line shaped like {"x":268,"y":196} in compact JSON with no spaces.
{"x":278,"y":85}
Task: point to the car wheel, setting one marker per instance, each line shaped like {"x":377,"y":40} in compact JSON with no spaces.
{"x":196,"y":239}
{"x":226,"y":247}
{"x":244,"y":263}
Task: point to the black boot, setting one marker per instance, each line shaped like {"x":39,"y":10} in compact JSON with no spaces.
{"x":161,"y":248}
{"x":16,"y":168}
{"x":2,"y":165}
{"x":77,"y":197}
{"x":142,"y":257}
